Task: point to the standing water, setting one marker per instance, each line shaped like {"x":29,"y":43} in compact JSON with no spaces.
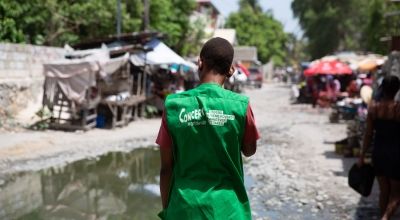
{"x":118,"y":186}
{"x":114,"y":186}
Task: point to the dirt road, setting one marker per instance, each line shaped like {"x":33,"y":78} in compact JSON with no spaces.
{"x":294,"y":174}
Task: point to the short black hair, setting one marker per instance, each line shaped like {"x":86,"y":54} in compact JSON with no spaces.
{"x":390,"y":86}
{"x":217,"y":54}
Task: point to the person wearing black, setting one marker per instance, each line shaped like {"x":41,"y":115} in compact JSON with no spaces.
{"x":383,"y":127}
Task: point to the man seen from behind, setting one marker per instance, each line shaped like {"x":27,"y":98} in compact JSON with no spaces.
{"x":203,"y":134}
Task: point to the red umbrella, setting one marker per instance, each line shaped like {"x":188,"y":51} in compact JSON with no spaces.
{"x":332,"y":67}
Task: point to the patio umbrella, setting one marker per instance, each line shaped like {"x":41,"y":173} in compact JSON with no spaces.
{"x":331,"y":67}
{"x":371,"y":62}
{"x":367,"y":65}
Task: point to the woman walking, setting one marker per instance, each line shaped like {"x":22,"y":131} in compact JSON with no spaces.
{"x":383,"y":127}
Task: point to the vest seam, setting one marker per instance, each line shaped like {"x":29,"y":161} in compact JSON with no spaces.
{"x":246,"y":99}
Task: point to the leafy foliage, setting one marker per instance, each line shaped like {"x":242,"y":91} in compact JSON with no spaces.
{"x":56,"y":22}
{"x":257,"y":28}
{"x":321,"y":22}
{"x":335,"y":25}
{"x":172,"y":17}
{"x":295,"y":50}
{"x":374,"y":27}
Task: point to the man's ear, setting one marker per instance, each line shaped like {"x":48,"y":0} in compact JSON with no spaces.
{"x":231,"y":72}
{"x":200,"y":64}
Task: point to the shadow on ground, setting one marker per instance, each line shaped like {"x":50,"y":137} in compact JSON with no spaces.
{"x":367,"y":207}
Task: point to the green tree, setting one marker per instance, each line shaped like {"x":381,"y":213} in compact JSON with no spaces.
{"x":295,"y":50}
{"x":379,"y":26}
{"x":322,"y":24}
{"x":195,"y":38}
{"x":375,"y":27}
{"x":257,"y":28}
{"x":56,"y":22}
{"x":172,"y":18}
{"x":18,"y":20}
{"x":336,"y":25}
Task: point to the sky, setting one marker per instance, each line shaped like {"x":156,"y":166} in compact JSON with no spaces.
{"x":281,"y":10}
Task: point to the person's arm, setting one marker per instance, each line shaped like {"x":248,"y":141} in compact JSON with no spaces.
{"x":249,"y":149}
{"x":367,"y":136}
{"x":167,"y":161}
{"x":165,"y":174}
{"x":251,"y":134}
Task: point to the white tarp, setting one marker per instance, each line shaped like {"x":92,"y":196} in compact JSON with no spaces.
{"x":75,"y":76}
{"x":70,"y":52}
{"x":161,"y":54}
{"x":112,"y":65}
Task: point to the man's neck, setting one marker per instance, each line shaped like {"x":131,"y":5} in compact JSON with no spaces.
{"x":213,"y":77}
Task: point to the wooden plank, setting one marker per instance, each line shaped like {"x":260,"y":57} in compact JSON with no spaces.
{"x":128,"y":116}
{"x":59,"y":113}
{"x":83,"y":119}
{"x":139,"y":82}
{"x":114,"y":110}
{"x":65,"y":126}
{"x":133,"y":100}
{"x":91,"y":125}
{"x":143,"y":92}
{"x":136,"y":113}
{"x":91,"y":117}
{"x":65,"y":110}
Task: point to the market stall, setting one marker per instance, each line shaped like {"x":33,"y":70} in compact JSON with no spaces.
{"x":324,"y":78}
{"x":75,"y":89}
{"x":71,"y":95}
{"x":168,"y":72}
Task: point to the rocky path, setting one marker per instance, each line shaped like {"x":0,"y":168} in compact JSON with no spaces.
{"x":295,"y":173}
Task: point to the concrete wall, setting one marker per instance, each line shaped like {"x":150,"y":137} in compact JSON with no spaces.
{"x":21,"y":78}
{"x":268,"y":70}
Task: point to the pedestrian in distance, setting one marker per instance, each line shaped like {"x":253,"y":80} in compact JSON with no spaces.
{"x":383,"y":126}
{"x":203,"y":134}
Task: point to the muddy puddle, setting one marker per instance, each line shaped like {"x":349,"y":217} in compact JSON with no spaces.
{"x":114,"y":186}
{"x":117,"y":185}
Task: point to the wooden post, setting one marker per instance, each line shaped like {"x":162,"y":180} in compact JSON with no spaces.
{"x":84,"y":116}
{"x":61,"y":105}
{"x":139,"y":83}
{"x":146,"y":19}
{"x":144,"y":83}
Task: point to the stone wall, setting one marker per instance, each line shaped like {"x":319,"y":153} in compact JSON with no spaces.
{"x":21,"y":77}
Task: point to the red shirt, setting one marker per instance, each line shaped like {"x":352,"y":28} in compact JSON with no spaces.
{"x":251,"y":133}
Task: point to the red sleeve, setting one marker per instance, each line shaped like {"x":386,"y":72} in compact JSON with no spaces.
{"x":251,"y":133}
{"x":164,"y":138}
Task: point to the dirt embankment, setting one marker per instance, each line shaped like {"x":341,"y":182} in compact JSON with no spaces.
{"x":34,"y":150}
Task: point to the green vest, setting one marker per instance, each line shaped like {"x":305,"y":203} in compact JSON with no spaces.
{"x":207,"y":127}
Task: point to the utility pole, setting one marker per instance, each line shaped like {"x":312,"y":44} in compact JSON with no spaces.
{"x":119,"y":20}
{"x":146,"y":18}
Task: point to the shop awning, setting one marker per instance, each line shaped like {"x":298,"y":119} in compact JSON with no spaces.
{"x":160,"y":54}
